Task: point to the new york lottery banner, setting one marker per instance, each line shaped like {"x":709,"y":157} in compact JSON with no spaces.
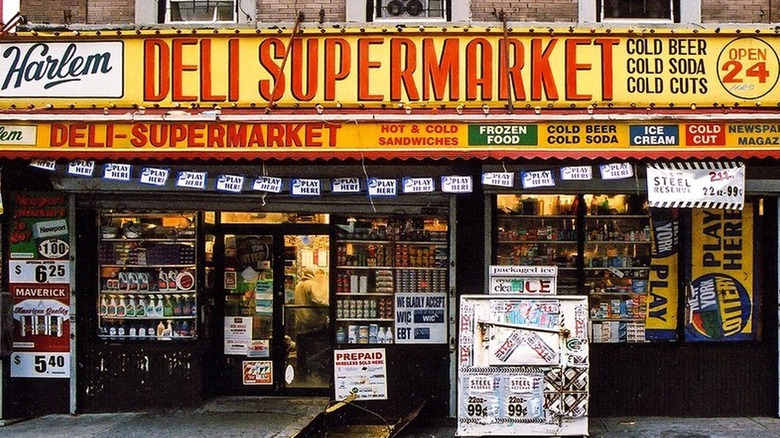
{"x":721,"y":304}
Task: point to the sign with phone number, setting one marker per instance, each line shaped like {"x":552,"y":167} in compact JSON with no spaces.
{"x":39,"y":271}
{"x":40,"y":365}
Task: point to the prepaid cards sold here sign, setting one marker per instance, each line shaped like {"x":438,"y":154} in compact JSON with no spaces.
{"x":696,"y":185}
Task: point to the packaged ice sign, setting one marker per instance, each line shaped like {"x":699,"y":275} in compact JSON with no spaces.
{"x":382,"y":187}
{"x":456,"y":184}
{"x":498,"y":179}
{"x":577,"y":173}
{"x":533,"y":280}
{"x":191,"y":180}
{"x":541,"y":178}
{"x":39,"y":271}
{"x":61,"y":69}
{"x":81,"y":168}
{"x":305,"y":187}
{"x":118,"y":172}
{"x":267,"y":184}
{"x":345,"y":185}
{"x":154,"y":176}
{"x":691,"y":185}
{"x":417,"y":185}
{"x":230,"y":183}
{"x":615,"y":171}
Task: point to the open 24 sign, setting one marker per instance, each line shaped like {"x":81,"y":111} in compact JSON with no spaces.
{"x":39,"y":271}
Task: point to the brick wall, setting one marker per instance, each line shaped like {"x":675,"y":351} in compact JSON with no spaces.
{"x":285,"y":11}
{"x":739,"y":11}
{"x":548,"y":10}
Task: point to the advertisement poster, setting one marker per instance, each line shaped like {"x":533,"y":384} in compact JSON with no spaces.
{"x":663,"y":290}
{"x":538,"y":280}
{"x":420,"y":319}
{"x":711,"y":185}
{"x":523,"y":366}
{"x":238,"y":335}
{"x":720,"y":302}
{"x":258,"y":372}
{"x":39,"y":282}
{"x":362,"y":372}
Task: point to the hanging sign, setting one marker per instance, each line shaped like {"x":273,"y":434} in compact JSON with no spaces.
{"x":616,"y":171}
{"x":362,"y":372}
{"x":577,"y":173}
{"x":720,"y":302}
{"x":662,"y":287}
{"x":703,"y":185}
{"x":81,"y":167}
{"x":541,"y":178}
{"x":191,"y":180}
{"x":382,"y":187}
{"x":118,"y":172}
{"x":49,"y":165}
{"x":498,"y":179}
{"x":305,"y":187}
{"x":267,"y":184}
{"x":154,"y":176}
{"x":345,"y":185}
{"x":536,"y":280}
{"x":258,"y":372}
{"x":230,"y":183}
{"x":417,"y":185}
{"x":456,"y":184}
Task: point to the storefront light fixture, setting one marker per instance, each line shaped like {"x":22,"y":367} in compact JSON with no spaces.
{"x":408,"y":109}
{"x":459,"y":109}
{"x":319,"y":108}
{"x":486,"y":109}
{"x":538,"y":110}
{"x":590,"y":109}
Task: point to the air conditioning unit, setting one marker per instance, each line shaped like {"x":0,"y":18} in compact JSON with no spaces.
{"x":413,"y":8}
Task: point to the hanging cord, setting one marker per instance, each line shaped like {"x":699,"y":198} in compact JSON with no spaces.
{"x":265,"y":173}
{"x":298,"y":19}
{"x":510,"y":105}
{"x":636,"y":179}
{"x":365,"y":173}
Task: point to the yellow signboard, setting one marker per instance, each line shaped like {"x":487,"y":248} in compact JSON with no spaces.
{"x":720,"y":303}
{"x":378,"y":68}
{"x":195,"y":135}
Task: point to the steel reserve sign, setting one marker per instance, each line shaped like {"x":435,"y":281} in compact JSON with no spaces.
{"x":375,"y":67}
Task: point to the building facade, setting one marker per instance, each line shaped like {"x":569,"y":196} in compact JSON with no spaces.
{"x":240,"y":197}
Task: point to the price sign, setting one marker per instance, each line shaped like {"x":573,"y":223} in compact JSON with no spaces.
{"x":39,"y":271}
{"x":710,"y":185}
{"x":40,"y":365}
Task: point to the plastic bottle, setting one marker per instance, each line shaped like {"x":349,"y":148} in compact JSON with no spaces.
{"x":158,"y":307}
{"x":111,"y":310}
{"x":389,"y":336}
{"x":103,"y":308}
{"x":167,"y":307}
{"x":121,"y":308}
{"x":130,"y":309}
{"x":150,"y":307}
{"x":140,"y":309}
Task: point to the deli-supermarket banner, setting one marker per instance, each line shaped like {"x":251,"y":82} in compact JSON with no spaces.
{"x":236,"y":138}
{"x":417,"y":66}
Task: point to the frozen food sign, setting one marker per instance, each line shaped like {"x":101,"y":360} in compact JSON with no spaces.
{"x":62,"y":69}
{"x":536,"y":280}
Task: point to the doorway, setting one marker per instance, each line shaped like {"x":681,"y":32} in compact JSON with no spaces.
{"x":275,"y":296}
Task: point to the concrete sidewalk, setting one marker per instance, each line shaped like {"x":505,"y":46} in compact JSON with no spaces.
{"x":281,"y":417}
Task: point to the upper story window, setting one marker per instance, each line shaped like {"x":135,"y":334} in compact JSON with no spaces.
{"x":200,"y":11}
{"x":410,"y":9}
{"x":638,"y":10}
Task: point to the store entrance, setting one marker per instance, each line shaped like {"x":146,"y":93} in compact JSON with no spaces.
{"x":276,"y":308}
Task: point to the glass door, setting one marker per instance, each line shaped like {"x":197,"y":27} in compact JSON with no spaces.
{"x":306,"y":311}
{"x":277,"y":329}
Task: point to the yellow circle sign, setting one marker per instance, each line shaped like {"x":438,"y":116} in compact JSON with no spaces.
{"x":748,"y":68}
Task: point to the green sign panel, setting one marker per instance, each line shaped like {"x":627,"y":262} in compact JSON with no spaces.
{"x":503,"y":135}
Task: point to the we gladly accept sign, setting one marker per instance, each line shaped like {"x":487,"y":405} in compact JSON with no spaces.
{"x":699,"y":185}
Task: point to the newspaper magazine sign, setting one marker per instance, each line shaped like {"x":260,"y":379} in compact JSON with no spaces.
{"x":370,"y":67}
{"x":707,"y":185}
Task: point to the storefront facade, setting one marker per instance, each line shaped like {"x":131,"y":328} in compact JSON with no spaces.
{"x":169,"y":191}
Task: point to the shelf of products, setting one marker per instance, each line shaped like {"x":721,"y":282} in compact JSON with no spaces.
{"x":378,"y":258}
{"x":601,"y":245}
{"x":148,"y":276}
